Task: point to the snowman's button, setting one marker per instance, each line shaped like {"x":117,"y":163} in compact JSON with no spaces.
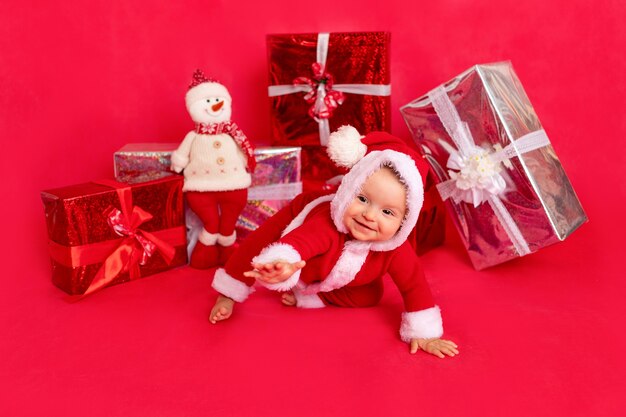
{"x":217,"y":144}
{"x":220,"y":161}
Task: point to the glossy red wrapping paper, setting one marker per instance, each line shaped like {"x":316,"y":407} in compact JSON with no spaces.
{"x":82,"y":240}
{"x":352,"y":58}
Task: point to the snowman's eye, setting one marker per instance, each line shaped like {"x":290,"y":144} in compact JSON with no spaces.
{"x":217,"y":100}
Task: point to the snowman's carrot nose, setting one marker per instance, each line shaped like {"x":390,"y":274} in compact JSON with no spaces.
{"x":217,"y":106}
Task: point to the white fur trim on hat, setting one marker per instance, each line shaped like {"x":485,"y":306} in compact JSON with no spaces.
{"x":206,"y":90}
{"x":423,"y":324}
{"x":279,"y":252}
{"x":345,"y":147}
{"x":206,"y":238}
{"x":226,"y":240}
{"x":353,"y":181}
{"x":230,"y":287}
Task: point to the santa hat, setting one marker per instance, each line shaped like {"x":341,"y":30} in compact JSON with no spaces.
{"x":364,"y":155}
{"x":202,"y":87}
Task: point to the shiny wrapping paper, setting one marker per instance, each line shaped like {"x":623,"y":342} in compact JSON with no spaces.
{"x":352,"y":58}
{"x":275,"y":182}
{"x":319,"y":172}
{"x":537,"y":205}
{"x":83,"y":243}
{"x":142,"y":159}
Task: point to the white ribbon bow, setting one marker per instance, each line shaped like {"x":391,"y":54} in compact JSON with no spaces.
{"x":474,"y":171}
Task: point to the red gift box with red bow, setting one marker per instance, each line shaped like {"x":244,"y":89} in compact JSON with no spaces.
{"x":105,"y":233}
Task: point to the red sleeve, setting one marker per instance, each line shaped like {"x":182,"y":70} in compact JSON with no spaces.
{"x":315,"y":236}
{"x":406,"y":272}
{"x":269,"y":232}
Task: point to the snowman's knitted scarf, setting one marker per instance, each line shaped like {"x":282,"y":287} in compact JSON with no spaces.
{"x":230,"y":128}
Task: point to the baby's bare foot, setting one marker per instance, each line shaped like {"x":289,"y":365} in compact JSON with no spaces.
{"x":222,"y":309}
{"x":288,"y":299}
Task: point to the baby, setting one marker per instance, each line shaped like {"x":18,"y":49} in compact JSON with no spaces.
{"x":335,"y":249}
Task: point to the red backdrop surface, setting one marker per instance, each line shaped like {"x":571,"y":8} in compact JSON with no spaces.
{"x":539,"y":335}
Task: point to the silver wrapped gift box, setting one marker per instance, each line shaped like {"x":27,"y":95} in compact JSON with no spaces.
{"x":503,"y":184}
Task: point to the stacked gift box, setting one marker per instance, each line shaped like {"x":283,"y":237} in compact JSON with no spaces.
{"x":321,"y":81}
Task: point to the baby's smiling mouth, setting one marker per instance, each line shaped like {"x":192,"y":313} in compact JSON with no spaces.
{"x":364,"y":225}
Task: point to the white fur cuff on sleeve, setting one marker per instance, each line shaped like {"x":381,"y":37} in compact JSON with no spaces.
{"x":279,"y":252}
{"x":423,"y":324}
{"x":230,"y":287}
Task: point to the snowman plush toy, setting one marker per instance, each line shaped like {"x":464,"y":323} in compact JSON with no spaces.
{"x":216,"y":159}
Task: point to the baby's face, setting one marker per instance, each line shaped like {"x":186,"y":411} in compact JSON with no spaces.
{"x":376,"y":213}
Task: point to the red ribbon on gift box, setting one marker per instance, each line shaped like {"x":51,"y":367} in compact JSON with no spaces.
{"x":125,"y":254}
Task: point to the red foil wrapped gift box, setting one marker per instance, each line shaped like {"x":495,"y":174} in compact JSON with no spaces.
{"x":106,"y":233}
{"x":321,"y":81}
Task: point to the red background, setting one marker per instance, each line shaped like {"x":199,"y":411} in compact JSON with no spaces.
{"x":539,"y":336}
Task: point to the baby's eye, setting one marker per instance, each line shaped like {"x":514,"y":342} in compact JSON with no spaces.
{"x":362,"y":198}
{"x":388,"y":212}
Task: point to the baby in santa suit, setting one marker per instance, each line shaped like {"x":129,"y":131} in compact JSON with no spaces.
{"x":334,"y":249}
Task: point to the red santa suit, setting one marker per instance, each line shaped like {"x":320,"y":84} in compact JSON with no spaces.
{"x":341,"y":270}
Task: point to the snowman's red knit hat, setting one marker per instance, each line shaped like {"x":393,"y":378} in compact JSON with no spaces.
{"x":364,"y":155}
{"x":202,"y":87}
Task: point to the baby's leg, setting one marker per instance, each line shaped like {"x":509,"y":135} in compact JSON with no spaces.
{"x":222,"y":309}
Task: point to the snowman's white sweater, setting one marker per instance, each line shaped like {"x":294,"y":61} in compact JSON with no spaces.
{"x":211,"y":163}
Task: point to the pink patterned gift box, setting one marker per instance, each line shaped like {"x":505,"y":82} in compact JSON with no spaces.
{"x":504,"y":186}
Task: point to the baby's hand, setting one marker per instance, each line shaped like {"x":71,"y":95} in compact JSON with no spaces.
{"x":437,"y":347}
{"x":274,"y":272}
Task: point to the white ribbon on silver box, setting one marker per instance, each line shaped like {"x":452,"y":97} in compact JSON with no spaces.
{"x":475,"y":171}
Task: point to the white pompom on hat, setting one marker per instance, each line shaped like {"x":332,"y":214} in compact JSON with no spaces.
{"x":364,"y":155}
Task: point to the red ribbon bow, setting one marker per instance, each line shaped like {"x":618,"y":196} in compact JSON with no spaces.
{"x":137,"y":246}
{"x":332,"y":98}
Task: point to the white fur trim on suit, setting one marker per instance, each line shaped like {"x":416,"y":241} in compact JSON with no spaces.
{"x":349,"y":264}
{"x":307,"y":300}
{"x":230,"y":287}
{"x":353,"y":181}
{"x":206,"y":238}
{"x":345,"y":147}
{"x":423,"y":324}
{"x":226,"y":240}
{"x":299,"y":219}
{"x":279,"y":252}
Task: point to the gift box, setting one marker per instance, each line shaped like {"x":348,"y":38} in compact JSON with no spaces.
{"x":105,"y":233}
{"x":319,"y":172}
{"x":275,"y":182}
{"x":320,"y":81}
{"x":143,"y":159}
{"x":502,"y":181}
